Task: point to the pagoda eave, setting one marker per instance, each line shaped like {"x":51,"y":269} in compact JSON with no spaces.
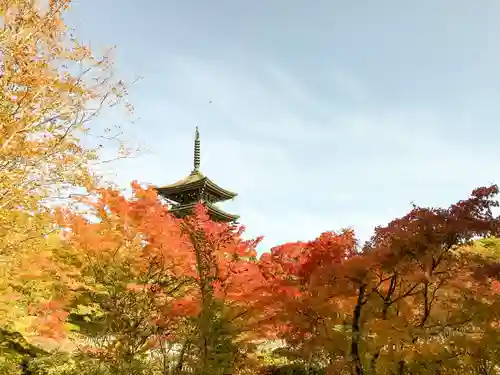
{"x":215,"y":213}
{"x":187,"y":185}
{"x":218,"y":213}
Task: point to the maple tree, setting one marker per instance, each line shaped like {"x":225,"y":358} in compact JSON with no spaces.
{"x":149,"y":282}
{"x":51,"y":87}
{"x":128,"y":288}
{"x":308,"y":292}
{"x":229,"y":284}
{"x":483,"y":354}
{"x":409,"y":301}
{"x":130,"y":262}
{"x":419,"y":286}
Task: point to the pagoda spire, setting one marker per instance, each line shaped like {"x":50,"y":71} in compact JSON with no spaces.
{"x":197,"y":152}
{"x":182,"y":196}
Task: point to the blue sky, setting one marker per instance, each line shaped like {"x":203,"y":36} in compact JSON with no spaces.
{"x":325,"y":114}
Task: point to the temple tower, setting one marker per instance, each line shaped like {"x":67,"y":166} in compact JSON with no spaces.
{"x":183,"y":195}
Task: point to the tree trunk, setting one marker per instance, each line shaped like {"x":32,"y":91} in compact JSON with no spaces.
{"x":356,"y":333}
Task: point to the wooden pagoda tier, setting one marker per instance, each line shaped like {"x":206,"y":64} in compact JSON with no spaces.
{"x":183,"y":195}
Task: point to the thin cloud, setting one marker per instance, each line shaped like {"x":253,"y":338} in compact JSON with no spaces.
{"x":299,"y":166}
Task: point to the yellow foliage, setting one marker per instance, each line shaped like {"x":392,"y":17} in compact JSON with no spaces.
{"x":51,"y":87}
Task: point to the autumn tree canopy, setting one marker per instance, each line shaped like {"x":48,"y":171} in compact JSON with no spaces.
{"x":51,"y":87}
{"x":125,"y":287}
{"x":414,"y":299}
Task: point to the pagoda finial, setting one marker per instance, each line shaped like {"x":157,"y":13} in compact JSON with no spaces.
{"x":197,"y":152}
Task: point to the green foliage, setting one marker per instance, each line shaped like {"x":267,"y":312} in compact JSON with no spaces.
{"x":10,"y":363}
{"x":55,"y":364}
{"x":489,"y":247}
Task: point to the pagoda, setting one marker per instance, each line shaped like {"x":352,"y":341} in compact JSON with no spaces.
{"x":183,"y":195}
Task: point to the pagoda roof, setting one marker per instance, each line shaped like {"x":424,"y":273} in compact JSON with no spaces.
{"x":195,"y":181}
{"x":213,"y":211}
{"x":196,"y":188}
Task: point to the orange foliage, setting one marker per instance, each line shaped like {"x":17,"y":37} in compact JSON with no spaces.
{"x":180,"y":269}
{"x":386,"y":305}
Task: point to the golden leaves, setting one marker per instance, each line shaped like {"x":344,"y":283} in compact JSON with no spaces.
{"x":51,"y":87}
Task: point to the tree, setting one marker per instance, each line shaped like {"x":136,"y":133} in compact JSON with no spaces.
{"x":134,"y":271}
{"x":422,"y":287}
{"x":311,"y":299}
{"x":483,"y":357}
{"x":228,"y":284}
{"x":410,"y":302}
{"x":155,"y":285}
{"x":51,"y":87}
